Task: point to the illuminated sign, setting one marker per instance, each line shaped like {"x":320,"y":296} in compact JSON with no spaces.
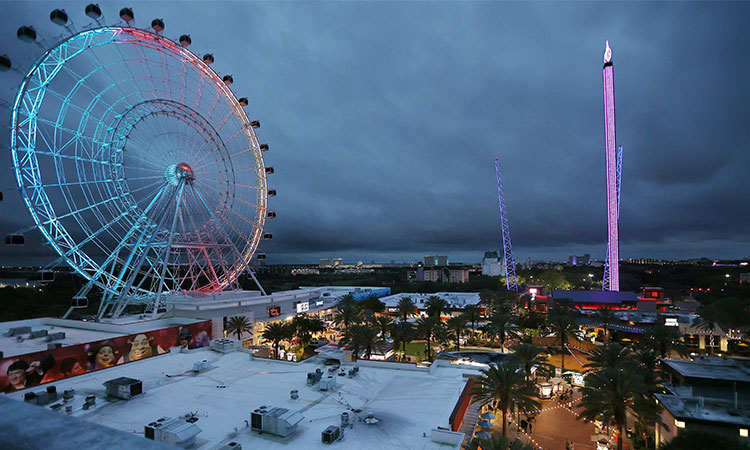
{"x":671,"y":322}
{"x":303,"y":307}
{"x":274,"y":311}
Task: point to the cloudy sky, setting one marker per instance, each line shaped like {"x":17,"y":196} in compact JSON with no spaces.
{"x":384,"y":119}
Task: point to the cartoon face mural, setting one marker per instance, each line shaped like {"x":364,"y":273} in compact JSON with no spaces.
{"x":105,"y":357}
{"x":140,"y":347}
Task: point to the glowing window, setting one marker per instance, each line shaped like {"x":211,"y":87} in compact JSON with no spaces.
{"x":743,"y":432}
{"x":679,"y":423}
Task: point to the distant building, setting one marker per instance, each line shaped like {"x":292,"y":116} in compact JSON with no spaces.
{"x":745,"y":277}
{"x":583,"y":260}
{"x":492,"y":265}
{"x":439,"y":274}
{"x":436,"y":260}
{"x":708,"y":394}
{"x":330,"y":263}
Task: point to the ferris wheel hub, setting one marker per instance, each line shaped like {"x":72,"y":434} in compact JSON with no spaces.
{"x":177,"y":173}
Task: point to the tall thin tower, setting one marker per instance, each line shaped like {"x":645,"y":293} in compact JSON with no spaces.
{"x":510,"y":264}
{"x":612,"y":262}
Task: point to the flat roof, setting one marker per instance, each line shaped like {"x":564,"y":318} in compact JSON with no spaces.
{"x":706,"y":410}
{"x":715,"y":368}
{"x":408,"y":403}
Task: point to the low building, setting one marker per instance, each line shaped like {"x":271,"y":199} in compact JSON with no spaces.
{"x":595,"y":299}
{"x":446,"y":274}
{"x":708,"y":393}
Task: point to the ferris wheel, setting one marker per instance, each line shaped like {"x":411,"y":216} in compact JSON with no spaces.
{"x":138,"y":164}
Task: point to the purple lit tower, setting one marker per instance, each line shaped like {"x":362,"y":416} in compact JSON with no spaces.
{"x":612,"y":262}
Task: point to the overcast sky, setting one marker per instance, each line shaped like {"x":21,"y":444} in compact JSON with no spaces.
{"x":384,"y":118}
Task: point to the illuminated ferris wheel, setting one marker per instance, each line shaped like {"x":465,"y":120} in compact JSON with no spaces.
{"x":137,"y":163}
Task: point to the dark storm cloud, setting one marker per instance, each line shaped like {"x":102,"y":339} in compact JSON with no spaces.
{"x":384,"y":119}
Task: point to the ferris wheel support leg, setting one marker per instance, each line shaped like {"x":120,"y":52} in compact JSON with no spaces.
{"x":167,"y":249}
{"x":229,"y":241}
{"x":124,"y":297}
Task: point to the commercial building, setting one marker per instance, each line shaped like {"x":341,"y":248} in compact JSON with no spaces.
{"x":709,"y":394}
{"x":448,"y":274}
{"x":435,"y":260}
{"x":379,"y":405}
{"x":492,"y":264}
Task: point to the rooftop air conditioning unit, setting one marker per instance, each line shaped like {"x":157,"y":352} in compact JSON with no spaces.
{"x":172,"y":431}
{"x":278,"y":421}
{"x":331,"y":434}
{"x":230,"y":446}
{"x":124,"y":387}
{"x":201,"y":366}
{"x":327,"y":384}
{"x":225,"y":345}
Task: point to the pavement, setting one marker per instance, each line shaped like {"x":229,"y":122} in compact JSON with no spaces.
{"x":554,"y":425}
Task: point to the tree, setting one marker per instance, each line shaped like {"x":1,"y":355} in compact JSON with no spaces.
{"x":361,"y":337}
{"x":383,"y":324}
{"x":371,"y":304}
{"x":406,"y":308}
{"x":428,"y":328}
{"x":276,"y":332}
{"x":456,"y":325}
{"x":347,"y":301}
{"x":614,"y":387}
{"x":552,"y":279}
{"x":239,"y":325}
{"x":472,"y":312}
{"x":663,"y":340}
{"x":527,"y":356}
{"x":345,"y":316}
{"x":609,"y":395}
{"x":305,"y":326}
{"x":563,"y":322}
{"x":505,"y":388}
{"x":498,"y":325}
{"x":435,"y":306}
{"x":402,"y":333}
{"x":701,"y":440}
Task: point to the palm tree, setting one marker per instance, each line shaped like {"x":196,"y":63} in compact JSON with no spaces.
{"x":612,"y":356}
{"x":383,"y":324}
{"x":615,"y":387}
{"x":472,"y":312}
{"x":305,"y":327}
{"x":498,"y":325}
{"x":428,"y":328}
{"x":435,"y":306}
{"x":527,"y":356}
{"x":361,"y":337}
{"x":402,"y":333}
{"x":663,"y":340}
{"x":506,"y":389}
{"x":456,"y":325}
{"x":406,"y":308}
{"x":239,"y":325}
{"x":609,"y":395}
{"x":346,"y":316}
{"x":276,"y":332}
{"x":347,"y":301}
{"x":562,"y":322}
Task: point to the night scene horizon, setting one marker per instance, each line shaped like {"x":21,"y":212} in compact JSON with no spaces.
{"x":383,"y":131}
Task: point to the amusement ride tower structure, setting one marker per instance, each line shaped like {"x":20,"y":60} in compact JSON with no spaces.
{"x":510,"y":263}
{"x":614,"y":167}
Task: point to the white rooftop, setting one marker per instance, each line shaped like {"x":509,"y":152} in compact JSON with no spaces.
{"x":408,"y":403}
{"x":455,"y":299}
